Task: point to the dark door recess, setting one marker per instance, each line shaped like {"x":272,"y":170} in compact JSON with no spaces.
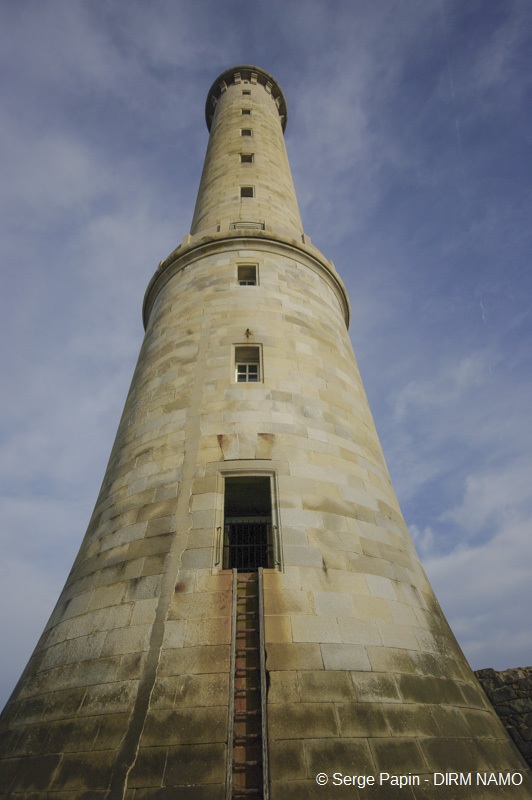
{"x":248,"y":541}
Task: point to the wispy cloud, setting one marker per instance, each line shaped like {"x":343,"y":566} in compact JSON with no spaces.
{"x":455,"y":380}
{"x":493,"y":576}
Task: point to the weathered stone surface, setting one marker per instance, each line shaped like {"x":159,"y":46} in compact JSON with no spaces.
{"x":294,"y":656}
{"x":296,"y":790}
{"x":29,"y":774}
{"x":149,"y":767}
{"x":302,"y":721}
{"x":287,"y":760}
{"x":185,"y":726}
{"x":396,"y":756}
{"x":195,"y":764}
{"x":326,"y":686}
{"x":363,"y":720}
{"x":199,"y":792}
{"x":81,"y":771}
{"x":350,"y":756}
{"x":510,"y":693}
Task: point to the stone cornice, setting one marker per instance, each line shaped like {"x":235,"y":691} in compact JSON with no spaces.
{"x":185,"y":255}
{"x":238,"y":74}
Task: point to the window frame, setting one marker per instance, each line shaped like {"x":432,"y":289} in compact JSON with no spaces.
{"x":242,"y":363}
{"x":235,"y":550}
{"x":247,"y":274}
{"x":243,"y":470}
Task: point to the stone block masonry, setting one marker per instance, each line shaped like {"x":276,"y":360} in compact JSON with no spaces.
{"x":510,"y":693}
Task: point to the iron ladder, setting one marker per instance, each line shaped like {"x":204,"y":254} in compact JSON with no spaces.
{"x":247,"y":762}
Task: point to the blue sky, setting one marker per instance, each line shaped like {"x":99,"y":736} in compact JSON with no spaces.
{"x":409,"y":139}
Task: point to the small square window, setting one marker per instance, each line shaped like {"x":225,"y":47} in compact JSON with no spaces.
{"x":246,"y":158}
{"x":245,"y":132}
{"x":247,"y":191}
{"x":246,"y":111}
{"x":247,"y":274}
{"x":247,"y":364}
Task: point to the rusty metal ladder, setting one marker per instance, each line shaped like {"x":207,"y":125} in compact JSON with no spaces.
{"x":247,"y":760}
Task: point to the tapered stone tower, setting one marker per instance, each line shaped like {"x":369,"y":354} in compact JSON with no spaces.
{"x":247,"y":608}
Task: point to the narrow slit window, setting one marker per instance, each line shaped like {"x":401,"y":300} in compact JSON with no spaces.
{"x":246,"y":132}
{"x":247,"y":364}
{"x":246,"y":158}
{"x":246,"y":91}
{"x":247,"y":191}
{"x":246,"y":111}
{"x":247,"y":274}
{"x":248,"y":534}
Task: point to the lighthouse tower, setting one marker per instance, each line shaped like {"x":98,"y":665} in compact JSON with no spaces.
{"x":247,"y":609}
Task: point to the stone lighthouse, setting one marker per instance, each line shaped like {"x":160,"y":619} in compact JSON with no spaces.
{"x":247,"y":610}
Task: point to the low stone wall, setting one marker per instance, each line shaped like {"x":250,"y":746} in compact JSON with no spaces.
{"x":510,"y":693}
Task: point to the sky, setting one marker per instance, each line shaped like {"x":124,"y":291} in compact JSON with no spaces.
{"x":409,"y":137}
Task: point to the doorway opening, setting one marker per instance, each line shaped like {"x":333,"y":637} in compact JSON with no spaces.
{"x":248,"y":540}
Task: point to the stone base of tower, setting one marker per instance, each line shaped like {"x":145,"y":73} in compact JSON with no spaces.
{"x":153,"y":726}
{"x":390,"y":715}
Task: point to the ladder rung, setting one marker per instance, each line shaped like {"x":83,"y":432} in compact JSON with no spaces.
{"x":246,"y":756}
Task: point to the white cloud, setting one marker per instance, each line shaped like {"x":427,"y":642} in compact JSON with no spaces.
{"x":493,"y":497}
{"x":446,"y":388}
{"x":486,"y":593}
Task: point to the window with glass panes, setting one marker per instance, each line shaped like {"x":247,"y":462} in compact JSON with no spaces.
{"x":247,"y":364}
